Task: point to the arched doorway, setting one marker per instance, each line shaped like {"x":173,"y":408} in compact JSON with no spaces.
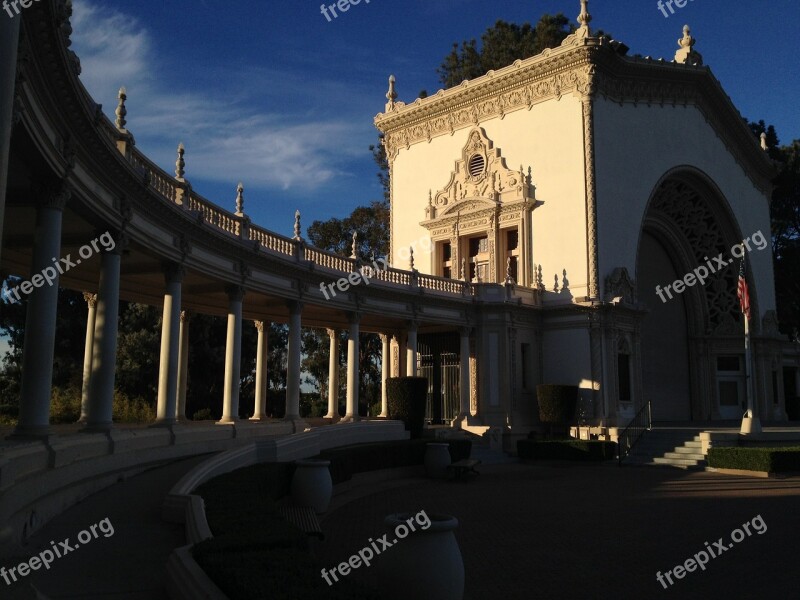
{"x":692,"y":330}
{"x":665,"y":336}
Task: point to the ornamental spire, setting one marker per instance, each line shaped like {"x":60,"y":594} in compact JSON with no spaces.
{"x":240,"y":200}
{"x":391,"y":95}
{"x":585,"y":18}
{"x":354,"y":253}
{"x":180,"y":164}
{"x":121,"y":111}
{"x":297,"y":235}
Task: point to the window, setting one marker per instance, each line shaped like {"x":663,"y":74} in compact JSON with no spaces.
{"x":525,"y":354}
{"x":729,"y":363}
{"x":624,"y":377}
{"x":477,"y":164}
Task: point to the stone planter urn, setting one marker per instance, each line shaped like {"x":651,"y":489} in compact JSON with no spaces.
{"x":425,"y":564}
{"x":312,"y":485}
{"x":437,"y":459}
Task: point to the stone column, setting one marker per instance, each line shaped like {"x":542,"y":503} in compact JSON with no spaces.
{"x":385,"y":367}
{"x":464,"y":378}
{"x":411,"y":350}
{"x":9,"y":42}
{"x":351,"y":414}
{"x":262,"y":355}
{"x":170,"y":345}
{"x":233,"y":356}
{"x":40,"y":318}
{"x":88,"y":348}
{"x":183,"y":367}
{"x":293,"y":362}
{"x":333,"y":376}
{"x":104,"y":355}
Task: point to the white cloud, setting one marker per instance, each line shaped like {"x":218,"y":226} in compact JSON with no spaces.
{"x":228,"y":138}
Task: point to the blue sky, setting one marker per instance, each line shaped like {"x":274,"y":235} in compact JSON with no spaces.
{"x":273,"y":94}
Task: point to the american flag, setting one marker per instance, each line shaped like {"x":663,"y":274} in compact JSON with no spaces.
{"x":742,"y":293}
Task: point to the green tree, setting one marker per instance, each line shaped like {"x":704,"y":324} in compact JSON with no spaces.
{"x":501,"y":45}
{"x":785,"y":224}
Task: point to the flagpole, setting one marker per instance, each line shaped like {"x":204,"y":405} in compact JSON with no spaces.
{"x":751,"y":423}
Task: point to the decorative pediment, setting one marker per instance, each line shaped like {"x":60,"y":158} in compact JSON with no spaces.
{"x":480,"y":180}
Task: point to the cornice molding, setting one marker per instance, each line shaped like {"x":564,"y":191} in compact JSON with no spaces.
{"x":592,"y":68}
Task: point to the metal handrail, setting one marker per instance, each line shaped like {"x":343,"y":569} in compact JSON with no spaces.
{"x":640,"y":423}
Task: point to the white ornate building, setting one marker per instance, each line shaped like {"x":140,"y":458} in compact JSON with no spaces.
{"x":593,"y":177}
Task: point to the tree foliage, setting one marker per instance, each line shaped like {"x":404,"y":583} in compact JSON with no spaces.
{"x":500,"y":46}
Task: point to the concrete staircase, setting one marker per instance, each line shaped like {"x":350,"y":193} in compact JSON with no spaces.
{"x":669,"y":446}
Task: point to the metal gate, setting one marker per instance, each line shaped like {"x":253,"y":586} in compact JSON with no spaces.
{"x":439,"y":362}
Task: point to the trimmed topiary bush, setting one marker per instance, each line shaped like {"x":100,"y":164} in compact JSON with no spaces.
{"x":566,"y":450}
{"x":768,"y":460}
{"x":407,"y":397}
{"x":557,"y":404}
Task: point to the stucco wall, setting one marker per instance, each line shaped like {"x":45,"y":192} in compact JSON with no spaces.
{"x":635,"y":147}
{"x":549,"y":139}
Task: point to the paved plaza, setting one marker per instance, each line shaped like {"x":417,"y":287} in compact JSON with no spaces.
{"x":595,"y":531}
{"x":526,"y":531}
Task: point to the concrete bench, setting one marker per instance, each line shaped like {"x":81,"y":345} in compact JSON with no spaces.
{"x":304,"y":518}
{"x":463,"y":468}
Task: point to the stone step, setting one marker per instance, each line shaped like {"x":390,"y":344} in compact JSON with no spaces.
{"x":679,"y":462}
{"x":684,"y":455}
{"x":689,"y":449}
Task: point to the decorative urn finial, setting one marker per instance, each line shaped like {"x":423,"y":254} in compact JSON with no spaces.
{"x":354,"y":253}
{"x":391,"y":95}
{"x":240,"y":200}
{"x":297,"y":235}
{"x":180,"y":164}
{"x":121,"y":111}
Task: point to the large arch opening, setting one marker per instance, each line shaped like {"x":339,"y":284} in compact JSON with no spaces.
{"x":694,"y":329}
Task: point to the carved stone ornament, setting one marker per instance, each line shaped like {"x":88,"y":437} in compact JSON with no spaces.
{"x":620,"y":285}
{"x":480,"y":180}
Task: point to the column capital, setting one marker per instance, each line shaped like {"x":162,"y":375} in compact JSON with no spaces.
{"x":52,"y":195}
{"x":295,"y":307}
{"x":332,"y":333}
{"x":465,"y":331}
{"x":186,"y":316}
{"x":235,"y":292}
{"x":173,"y":272}
{"x":259,"y":325}
{"x":91,"y":299}
{"x":384,"y":337}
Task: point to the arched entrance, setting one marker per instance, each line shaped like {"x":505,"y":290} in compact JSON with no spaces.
{"x":694,"y":329}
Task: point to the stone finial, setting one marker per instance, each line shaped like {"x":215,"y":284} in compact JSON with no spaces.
{"x":391,"y":95}
{"x":411,"y":258}
{"x":555,"y":287}
{"x":297,"y":235}
{"x":539,"y":279}
{"x":121,"y":111}
{"x":686,"y":54}
{"x":764,"y":142}
{"x":180,"y":164}
{"x":354,"y":249}
{"x":585,"y":18}
{"x":240,"y":200}
{"x":430,"y":210}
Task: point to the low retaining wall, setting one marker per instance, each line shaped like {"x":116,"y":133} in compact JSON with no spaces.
{"x":41,"y":479}
{"x":185,"y":579}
